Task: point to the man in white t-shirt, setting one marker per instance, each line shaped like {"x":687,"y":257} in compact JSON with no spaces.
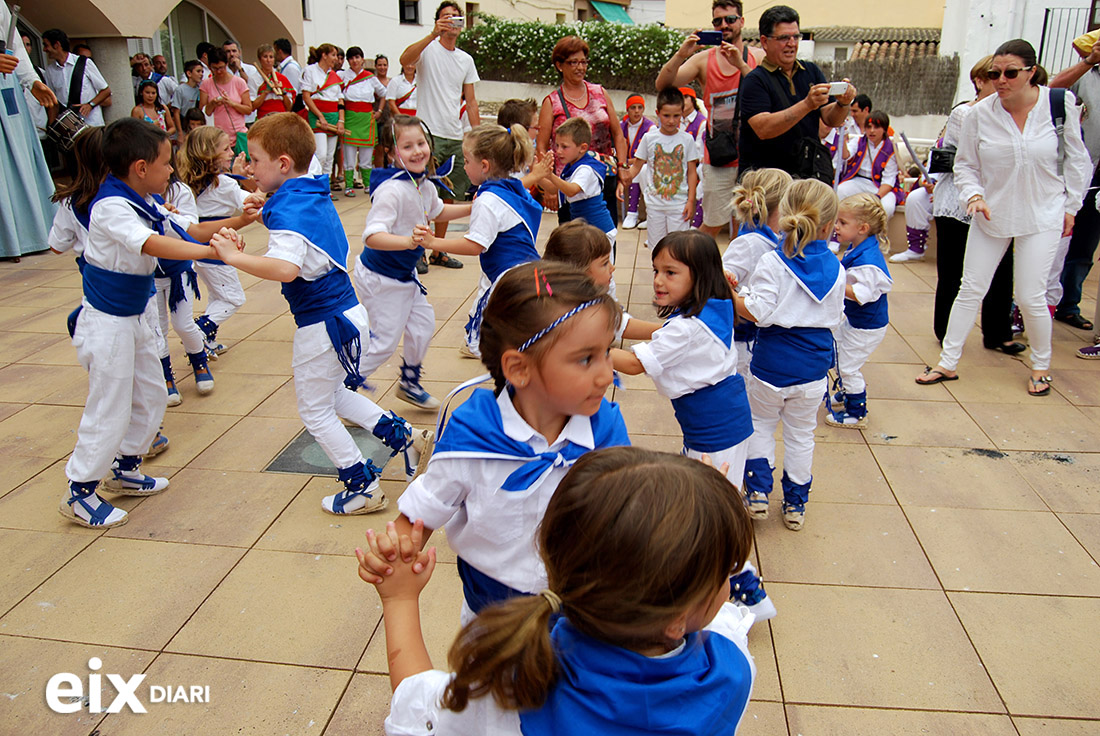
{"x":445,"y":76}
{"x":245,"y":71}
{"x":59,"y":73}
{"x":286,"y":65}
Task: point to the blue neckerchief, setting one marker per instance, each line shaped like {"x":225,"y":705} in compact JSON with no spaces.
{"x":867,"y":253}
{"x":872,"y":315}
{"x":717,"y":317}
{"x":764,"y":230}
{"x":476,"y":430}
{"x":85,"y":217}
{"x":586,"y":160}
{"x":607,"y":690}
{"x":302,"y":205}
{"x":517,"y":198}
{"x":817,"y":269}
{"x":112,"y":186}
{"x":515,"y":245}
{"x":385,"y":173}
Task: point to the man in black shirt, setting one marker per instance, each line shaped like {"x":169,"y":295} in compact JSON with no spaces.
{"x":783,"y":99}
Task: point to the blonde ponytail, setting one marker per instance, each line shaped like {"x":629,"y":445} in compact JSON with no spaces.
{"x":806,"y":207}
{"x":759,"y":194}
{"x":507,"y":151}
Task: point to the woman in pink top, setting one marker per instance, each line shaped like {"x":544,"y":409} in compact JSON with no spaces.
{"x":579,"y":98}
{"x":225,"y":97}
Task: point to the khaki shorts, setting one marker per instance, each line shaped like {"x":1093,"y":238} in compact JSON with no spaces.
{"x":718,"y":184}
{"x":444,"y":149}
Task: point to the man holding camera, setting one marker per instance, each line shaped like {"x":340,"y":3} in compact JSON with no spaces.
{"x":782,"y":101}
{"x":718,"y":70}
{"x":445,"y":77}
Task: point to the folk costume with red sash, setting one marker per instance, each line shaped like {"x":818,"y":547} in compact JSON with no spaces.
{"x":359,"y":94}
{"x":330,"y":109}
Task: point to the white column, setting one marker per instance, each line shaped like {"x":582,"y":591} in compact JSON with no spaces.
{"x":112,"y":57}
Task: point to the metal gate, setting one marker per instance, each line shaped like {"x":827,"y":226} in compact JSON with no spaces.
{"x":1060,"y":27}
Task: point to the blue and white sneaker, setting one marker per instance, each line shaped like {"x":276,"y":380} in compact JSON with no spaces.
{"x":174,"y":398}
{"x":160,"y":444}
{"x":360,"y":495}
{"x":204,"y":380}
{"x":87,"y":508}
{"x":747,"y":591}
{"x":410,"y":390}
{"x":128,"y":480}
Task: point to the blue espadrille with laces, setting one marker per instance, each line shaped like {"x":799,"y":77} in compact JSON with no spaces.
{"x":128,"y":480}
{"x":360,"y":495}
{"x":82,"y":505}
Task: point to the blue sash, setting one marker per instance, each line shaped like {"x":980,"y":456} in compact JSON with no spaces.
{"x":120,"y":294}
{"x":480,"y":590}
{"x":816,"y":269}
{"x":872,"y":315}
{"x":764,"y":230}
{"x":594,"y":209}
{"x":786,"y":356}
{"x":476,"y":430}
{"x":715,"y":417}
{"x":607,"y":690}
{"x":517,"y":244}
{"x":325,"y":300}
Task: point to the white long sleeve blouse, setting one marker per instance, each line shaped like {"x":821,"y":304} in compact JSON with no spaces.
{"x":1017,"y":172}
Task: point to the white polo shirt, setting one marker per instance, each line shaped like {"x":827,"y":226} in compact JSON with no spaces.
{"x":58,"y":76}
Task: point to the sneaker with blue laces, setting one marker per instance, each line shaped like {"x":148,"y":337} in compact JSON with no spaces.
{"x":128,"y":480}
{"x":160,"y":444}
{"x":87,"y":508}
{"x":204,"y":380}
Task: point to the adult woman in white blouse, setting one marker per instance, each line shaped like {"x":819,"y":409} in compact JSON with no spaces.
{"x":1007,"y":173}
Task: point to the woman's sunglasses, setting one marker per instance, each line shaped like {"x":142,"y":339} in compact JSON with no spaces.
{"x":995,"y":74}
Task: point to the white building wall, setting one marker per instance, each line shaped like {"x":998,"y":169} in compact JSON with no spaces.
{"x":646,"y":11}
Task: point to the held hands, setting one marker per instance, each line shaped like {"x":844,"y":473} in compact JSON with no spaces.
{"x":227,"y":242}
{"x":731,"y":280}
{"x":395,"y":564}
{"x":254,"y":203}
{"x":422,"y":237}
{"x":543,"y":165}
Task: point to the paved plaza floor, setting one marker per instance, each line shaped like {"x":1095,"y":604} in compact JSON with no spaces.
{"x":946,"y":581}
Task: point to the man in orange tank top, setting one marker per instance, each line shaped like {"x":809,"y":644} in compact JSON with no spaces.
{"x":719,"y":71}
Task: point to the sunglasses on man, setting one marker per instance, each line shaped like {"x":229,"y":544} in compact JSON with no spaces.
{"x":728,"y":20}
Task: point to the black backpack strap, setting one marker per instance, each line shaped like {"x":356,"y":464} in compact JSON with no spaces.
{"x":1058,"y":118}
{"x":564,"y":104}
{"x":76,"y":82}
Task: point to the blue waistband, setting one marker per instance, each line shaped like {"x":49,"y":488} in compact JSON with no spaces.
{"x":593,"y":211}
{"x":120,"y":294}
{"x":715,"y":417}
{"x":870,"y":316}
{"x":399,"y":265}
{"x":480,"y":590}
{"x":788,"y":356}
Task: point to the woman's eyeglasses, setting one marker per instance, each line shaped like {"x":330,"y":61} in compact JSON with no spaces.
{"x":728,"y":20}
{"x":575,"y":62}
{"x":995,"y":74}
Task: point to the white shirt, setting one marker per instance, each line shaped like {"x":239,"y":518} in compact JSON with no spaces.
{"x":67,"y":233}
{"x":588,"y":181}
{"x":489,"y":217}
{"x":866,"y":166}
{"x":166,"y":88}
{"x":117,"y":234}
{"x":398,"y":87}
{"x":775,"y":296}
{"x":493,"y":529}
{"x":223,"y":198}
{"x":254,"y":80}
{"x":667,"y":157}
{"x":58,"y":77}
{"x":292,"y":70}
{"x":183,"y":199}
{"x":742,"y":255}
{"x":1016,"y":172}
{"x":868,"y":283}
{"x":440,"y":75}
{"x":685,"y":356}
{"x":365,"y":90}
{"x":314,"y":78}
{"x":415,"y":708}
{"x":397,"y":207}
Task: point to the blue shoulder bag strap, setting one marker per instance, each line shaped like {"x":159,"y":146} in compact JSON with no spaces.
{"x":1058,"y":117}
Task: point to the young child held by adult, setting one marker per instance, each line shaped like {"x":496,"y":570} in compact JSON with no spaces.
{"x":582,"y":179}
{"x":756,"y":208}
{"x":205,"y":162}
{"x":631,"y":632}
{"x":796,"y":298}
{"x":672,"y":157}
{"x":307,"y":252}
{"x":501,"y":456}
{"x":587,"y":248}
{"x":114,"y":329}
{"x":872,"y":167}
{"x":635,"y":125}
{"x":361,"y":89}
{"x":861,"y":232}
{"x":402,"y":197}
{"x":504,"y":219}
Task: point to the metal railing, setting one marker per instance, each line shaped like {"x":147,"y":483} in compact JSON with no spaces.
{"x":1060,"y":27}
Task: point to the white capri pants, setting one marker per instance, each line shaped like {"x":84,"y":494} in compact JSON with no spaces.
{"x":661,"y":222}
{"x":918,"y":209}
{"x":326,"y":150}
{"x":796,"y":406}
{"x":224,"y":293}
{"x":365,"y":155}
{"x":1032,"y":261}
{"x":853,"y":348}
{"x":182,"y":319}
{"x":859,"y":184}
{"x":735,"y":456}
{"x":323,"y":402}
{"x":473,"y":337}
{"x":396,"y":308}
{"x":126,"y":392}
{"x":716,"y":183}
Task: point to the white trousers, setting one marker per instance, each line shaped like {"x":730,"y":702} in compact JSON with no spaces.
{"x":859,"y":184}
{"x":918,"y":209}
{"x":853,"y":348}
{"x":326,"y":150}
{"x":661,"y":222}
{"x":323,"y":402}
{"x":182,"y":320}
{"x":1054,"y":278}
{"x":365,"y":155}
{"x":1032,"y":261}
{"x":796,"y":406}
{"x":473,"y":337}
{"x":396,"y":308}
{"x":126,"y":392}
{"x":735,"y":456}
{"x":224,"y":293}
{"x":744,"y":357}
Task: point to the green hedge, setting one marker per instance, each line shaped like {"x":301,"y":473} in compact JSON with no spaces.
{"x":622,"y":56}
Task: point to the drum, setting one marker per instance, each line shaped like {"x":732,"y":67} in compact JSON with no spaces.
{"x":65,"y":128}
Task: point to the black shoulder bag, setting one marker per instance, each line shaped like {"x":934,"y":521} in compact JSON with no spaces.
{"x":812,"y":159}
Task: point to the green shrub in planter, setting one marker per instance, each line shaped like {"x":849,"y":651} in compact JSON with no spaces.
{"x":623,"y":57}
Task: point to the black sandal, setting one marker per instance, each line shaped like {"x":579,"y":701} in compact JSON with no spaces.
{"x":1074,"y":320}
{"x":442,"y":259}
